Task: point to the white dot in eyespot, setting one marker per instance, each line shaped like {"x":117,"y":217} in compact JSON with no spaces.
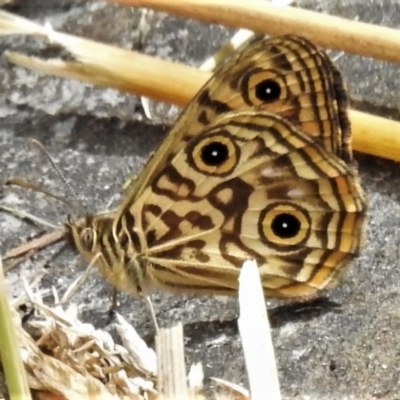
{"x":270,"y":172}
{"x":296,"y":192}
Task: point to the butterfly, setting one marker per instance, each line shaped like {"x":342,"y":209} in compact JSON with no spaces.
{"x":258,"y":166}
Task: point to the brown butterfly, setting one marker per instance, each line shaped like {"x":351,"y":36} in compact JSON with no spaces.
{"x":258,"y":166}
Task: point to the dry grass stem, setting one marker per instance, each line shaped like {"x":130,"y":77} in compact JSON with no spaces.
{"x":10,"y":353}
{"x":266,"y":17}
{"x":122,"y":66}
{"x":165,"y":81}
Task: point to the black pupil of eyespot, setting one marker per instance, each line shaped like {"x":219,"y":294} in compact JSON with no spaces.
{"x":285,"y":226}
{"x":214,"y":153}
{"x":268,"y":90}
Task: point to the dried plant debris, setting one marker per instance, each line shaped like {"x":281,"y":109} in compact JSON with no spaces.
{"x":67,"y":358}
{"x":76,"y":360}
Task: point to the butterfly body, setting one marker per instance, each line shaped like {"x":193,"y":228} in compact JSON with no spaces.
{"x":259,"y":166}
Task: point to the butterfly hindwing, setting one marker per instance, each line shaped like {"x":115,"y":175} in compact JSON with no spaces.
{"x":251,"y":186}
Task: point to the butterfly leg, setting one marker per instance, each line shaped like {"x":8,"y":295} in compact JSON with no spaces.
{"x":150,"y":307}
{"x":79,"y":281}
{"x":114,"y":299}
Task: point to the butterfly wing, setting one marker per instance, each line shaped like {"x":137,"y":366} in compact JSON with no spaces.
{"x":285,"y":196}
{"x":287,"y":75}
{"x":250,"y":186}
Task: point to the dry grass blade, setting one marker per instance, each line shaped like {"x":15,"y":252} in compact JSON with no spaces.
{"x":256,"y":336}
{"x":124,"y":70}
{"x":171,"y":377}
{"x":10,"y":349}
{"x":265,"y":17}
{"x":10,"y":23}
{"x":143,"y":357}
{"x":196,"y":381}
{"x":132,"y":72}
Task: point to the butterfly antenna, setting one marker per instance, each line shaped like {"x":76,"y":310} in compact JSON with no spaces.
{"x":31,"y":185}
{"x":28,"y":216}
{"x":40,"y":146}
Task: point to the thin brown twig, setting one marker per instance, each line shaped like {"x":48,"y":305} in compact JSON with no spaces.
{"x":36,"y":244}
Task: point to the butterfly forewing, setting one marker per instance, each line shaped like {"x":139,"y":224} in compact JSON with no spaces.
{"x":287,"y":75}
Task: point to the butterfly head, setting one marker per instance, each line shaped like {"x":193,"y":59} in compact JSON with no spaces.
{"x":86,"y":235}
{"x":94,"y":239}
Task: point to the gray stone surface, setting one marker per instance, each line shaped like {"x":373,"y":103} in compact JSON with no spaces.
{"x":99,"y":137}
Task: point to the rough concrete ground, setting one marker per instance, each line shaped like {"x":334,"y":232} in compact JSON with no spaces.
{"x":99,"y":137}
